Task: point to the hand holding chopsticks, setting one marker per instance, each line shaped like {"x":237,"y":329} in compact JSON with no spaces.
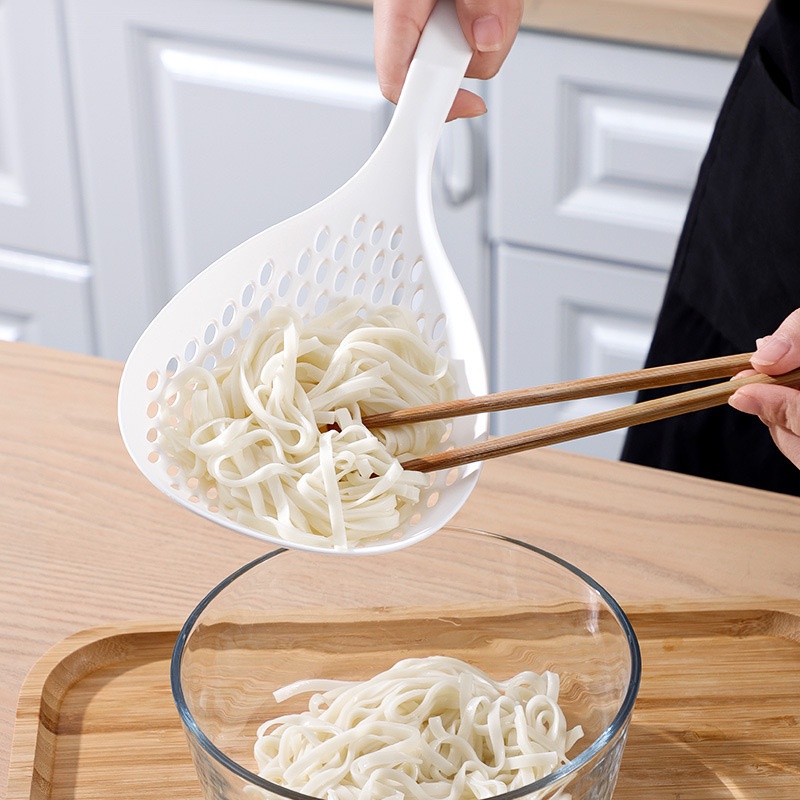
{"x":627,"y":416}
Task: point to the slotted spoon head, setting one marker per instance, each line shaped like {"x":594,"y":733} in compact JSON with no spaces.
{"x":375,"y":238}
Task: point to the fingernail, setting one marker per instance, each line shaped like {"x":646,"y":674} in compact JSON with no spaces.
{"x":742,"y":401}
{"x":771,"y":349}
{"x":488,"y":33}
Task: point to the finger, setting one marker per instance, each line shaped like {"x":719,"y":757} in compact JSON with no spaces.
{"x":787,"y":442}
{"x":745,"y":373}
{"x":777,"y":406}
{"x":467,"y":104}
{"x":780,"y":351}
{"x":398,"y":25}
{"x":490,"y":27}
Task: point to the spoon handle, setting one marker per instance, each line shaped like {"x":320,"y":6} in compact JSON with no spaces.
{"x":433,"y":79}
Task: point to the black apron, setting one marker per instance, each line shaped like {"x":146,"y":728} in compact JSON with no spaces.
{"x":736,"y":274}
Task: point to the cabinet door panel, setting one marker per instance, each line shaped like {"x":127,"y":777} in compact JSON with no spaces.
{"x":561,"y":318}
{"x":240,"y":145}
{"x":39,"y":200}
{"x":459,"y":204}
{"x":45,"y":301}
{"x":203,"y":122}
{"x":598,"y":145}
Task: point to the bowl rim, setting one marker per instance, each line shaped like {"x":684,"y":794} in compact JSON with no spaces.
{"x":613,"y":730}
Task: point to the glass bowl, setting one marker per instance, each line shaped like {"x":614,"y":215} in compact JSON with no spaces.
{"x":501,"y":605}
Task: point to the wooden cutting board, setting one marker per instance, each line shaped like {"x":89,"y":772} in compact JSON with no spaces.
{"x":718,"y":713}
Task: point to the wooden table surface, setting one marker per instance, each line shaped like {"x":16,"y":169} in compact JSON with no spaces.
{"x":720,"y":27}
{"x":85,"y":540}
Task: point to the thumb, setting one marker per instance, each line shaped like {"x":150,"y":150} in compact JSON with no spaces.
{"x":490,"y":27}
{"x":780,"y":351}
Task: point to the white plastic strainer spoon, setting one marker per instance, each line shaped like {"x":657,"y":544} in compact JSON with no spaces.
{"x":374,"y":238}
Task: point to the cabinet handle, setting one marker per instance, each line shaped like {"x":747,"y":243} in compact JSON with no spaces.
{"x":461,"y":161}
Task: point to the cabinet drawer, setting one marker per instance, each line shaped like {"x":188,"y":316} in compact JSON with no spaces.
{"x":559,"y":318}
{"x":598,"y":145}
{"x":45,"y":301}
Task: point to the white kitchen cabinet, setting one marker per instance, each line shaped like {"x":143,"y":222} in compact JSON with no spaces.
{"x":39,"y":197}
{"x":202,"y":123}
{"x":596,"y":146}
{"x":595,"y":149}
{"x":142,"y":139}
{"x":44,"y":282}
{"x":561,"y":318}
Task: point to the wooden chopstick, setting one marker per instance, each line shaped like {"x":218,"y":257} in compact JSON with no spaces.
{"x":627,"y":416}
{"x":670,"y":375}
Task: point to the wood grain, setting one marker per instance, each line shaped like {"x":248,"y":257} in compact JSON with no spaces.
{"x":597,"y":386}
{"x":85,"y":540}
{"x":601,"y":422}
{"x":718,"y":713}
{"x":707,"y":26}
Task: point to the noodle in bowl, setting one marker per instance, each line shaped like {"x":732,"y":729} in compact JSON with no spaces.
{"x":469,"y":666}
{"x":433,"y":727}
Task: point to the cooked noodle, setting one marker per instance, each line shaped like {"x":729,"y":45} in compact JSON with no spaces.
{"x":431,"y":728}
{"x":275,"y":432}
